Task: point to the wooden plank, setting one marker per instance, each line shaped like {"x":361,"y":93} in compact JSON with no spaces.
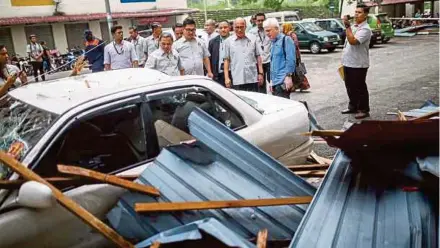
{"x":307,"y":167}
{"x":427,"y":116}
{"x":155,"y":245}
{"x":319,"y":159}
{"x":110,"y":179}
{"x":66,"y":202}
{"x":401,"y":116}
{"x":324,"y":133}
{"x":184,"y":206}
{"x":311,"y":173}
{"x":60,"y":182}
{"x":262,"y":238}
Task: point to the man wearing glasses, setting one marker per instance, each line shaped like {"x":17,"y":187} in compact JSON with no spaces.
{"x":242,"y":58}
{"x":264,"y":42}
{"x":119,"y":54}
{"x":193,"y":51}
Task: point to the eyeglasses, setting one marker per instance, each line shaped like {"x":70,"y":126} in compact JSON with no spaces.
{"x":239,"y":27}
{"x":190,"y":29}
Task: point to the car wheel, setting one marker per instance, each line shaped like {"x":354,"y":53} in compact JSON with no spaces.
{"x":315,"y":48}
{"x":371,"y":44}
{"x":331,"y":49}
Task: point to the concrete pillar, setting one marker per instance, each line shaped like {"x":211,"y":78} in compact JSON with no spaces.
{"x":59,"y":36}
{"x":19,"y":39}
{"x":95,"y":27}
{"x":436,"y":7}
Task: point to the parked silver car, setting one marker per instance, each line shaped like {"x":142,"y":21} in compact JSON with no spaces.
{"x":111,"y":121}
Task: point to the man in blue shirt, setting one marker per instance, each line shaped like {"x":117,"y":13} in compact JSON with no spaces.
{"x":282,"y":59}
{"x":95,"y":56}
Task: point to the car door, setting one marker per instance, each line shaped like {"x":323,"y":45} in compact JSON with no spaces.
{"x":303,"y":37}
{"x":110,"y":138}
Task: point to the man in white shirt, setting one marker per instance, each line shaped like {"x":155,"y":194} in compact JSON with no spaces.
{"x":119,"y":54}
{"x":35,"y":52}
{"x":209,"y":32}
{"x":140,"y":45}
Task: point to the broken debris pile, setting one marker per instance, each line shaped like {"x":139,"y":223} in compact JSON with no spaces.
{"x":220,"y":166}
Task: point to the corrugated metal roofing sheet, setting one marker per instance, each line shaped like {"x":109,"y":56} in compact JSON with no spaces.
{"x":219,"y":166}
{"x":428,"y":107}
{"x":350,"y":211}
{"x":196,"y":231}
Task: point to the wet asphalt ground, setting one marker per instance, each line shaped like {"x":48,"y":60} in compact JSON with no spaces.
{"x":403,"y":74}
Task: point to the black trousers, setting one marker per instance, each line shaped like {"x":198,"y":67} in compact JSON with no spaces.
{"x":38,"y":66}
{"x":266,"y":78}
{"x":357,"y":91}
{"x":246,"y":87}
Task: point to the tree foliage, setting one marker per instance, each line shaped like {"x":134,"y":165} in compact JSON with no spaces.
{"x":272,"y":4}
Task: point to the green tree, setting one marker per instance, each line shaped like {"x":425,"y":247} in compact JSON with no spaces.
{"x":271,"y":4}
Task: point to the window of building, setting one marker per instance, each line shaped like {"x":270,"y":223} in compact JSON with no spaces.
{"x":105,"y":143}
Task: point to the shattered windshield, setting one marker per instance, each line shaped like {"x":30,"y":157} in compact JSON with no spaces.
{"x":21,"y":126}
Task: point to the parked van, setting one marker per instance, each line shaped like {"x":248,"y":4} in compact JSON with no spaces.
{"x":282,"y":16}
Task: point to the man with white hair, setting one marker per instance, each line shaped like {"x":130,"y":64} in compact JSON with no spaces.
{"x":282,"y":65}
{"x":209,"y":32}
{"x":242,"y":57}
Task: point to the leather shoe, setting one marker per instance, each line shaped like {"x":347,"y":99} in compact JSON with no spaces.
{"x":348,"y":111}
{"x":362,"y":115}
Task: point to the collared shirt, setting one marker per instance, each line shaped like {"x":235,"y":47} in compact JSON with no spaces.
{"x":264,"y":42}
{"x":242,"y":55}
{"x":358,"y":56}
{"x":192,"y":52}
{"x":34,"y":50}
{"x":221,"y":53}
{"x":168,"y":63}
{"x":141,"y":47}
{"x":152,"y":44}
{"x":282,"y":59}
{"x":208,"y":37}
{"x":120,"y":56}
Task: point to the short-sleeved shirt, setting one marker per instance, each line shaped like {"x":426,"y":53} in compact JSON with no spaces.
{"x":120,"y":56}
{"x":192,"y":52}
{"x":208,"y":37}
{"x":242,"y":54}
{"x":264,"y":42}
{"x":141,"y":47}
{"x":34,"y":50}
{"x":358,"y":56}
{"x":168,"y":63}
{"x":152,"y":44}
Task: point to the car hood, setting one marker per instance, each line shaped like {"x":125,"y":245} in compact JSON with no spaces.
{"x":267,"y":104}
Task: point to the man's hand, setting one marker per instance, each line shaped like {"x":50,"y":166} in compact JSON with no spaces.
{"x":228,"y":82}
{"x":346,"y":21}
{"x":260,"y":80}
{"x":288,"y":82}
{"x":210,"y":75}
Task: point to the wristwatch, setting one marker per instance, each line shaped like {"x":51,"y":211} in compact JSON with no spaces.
{"x":260,"y":73}
{"x":289,"y":74}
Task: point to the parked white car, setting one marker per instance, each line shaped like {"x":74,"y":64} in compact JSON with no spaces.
{"x":109,"y":122}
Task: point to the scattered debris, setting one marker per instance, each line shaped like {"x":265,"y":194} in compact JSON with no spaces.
{"x":66,"y":202}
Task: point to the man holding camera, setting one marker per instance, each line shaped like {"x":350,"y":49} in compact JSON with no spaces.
{"x":356,"y":61}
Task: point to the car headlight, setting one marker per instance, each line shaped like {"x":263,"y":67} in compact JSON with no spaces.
{"x":325,"y":39}
{"x":339,"y":37}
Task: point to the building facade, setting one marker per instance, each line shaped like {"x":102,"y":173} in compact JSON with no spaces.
{"x":394,"y":8}
{"x":61,"y":23}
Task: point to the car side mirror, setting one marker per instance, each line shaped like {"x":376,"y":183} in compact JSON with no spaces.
{"x":33,"y":194}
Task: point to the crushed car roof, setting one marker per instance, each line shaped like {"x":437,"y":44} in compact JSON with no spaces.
{"x":219,"y":166}
{"x":58,"y":96}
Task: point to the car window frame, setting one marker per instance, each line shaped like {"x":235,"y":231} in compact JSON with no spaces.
{"x":197,"y":89}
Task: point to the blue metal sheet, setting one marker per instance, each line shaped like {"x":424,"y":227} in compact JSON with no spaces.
{"x":350,"y":210}
{"x":427,"y":107}
{"x":196,"y":231}
{"x":219,"y":166}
